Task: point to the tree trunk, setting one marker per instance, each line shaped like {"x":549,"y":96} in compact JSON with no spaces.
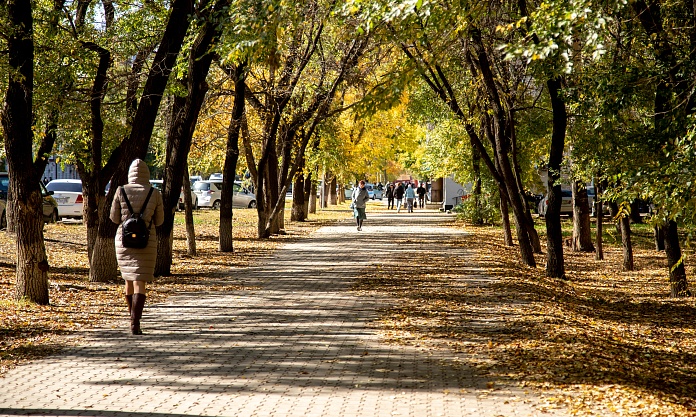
{"x":231,"y":158}
{"x":93,"y":203}
{"x":555,"y":267}
{"x":298,"y":201}
{"x":614,"y":213}
{"x":659,"y":235}
{"x":32,"y":265}
{"x":104,"y":267}
{"x":503,"y":136}
{"x":505,"y":217}
{"x":180,"y":132}
{"x":313,"y":198}
{"x":624,"y":226}
{"x":675,"y":262}
{"x":341,"y":193}
{"x":307,"y":191}
{"x":582,"y":234}
{"x":188,"y":210}
{"x":476,"y":189}
{"x":333,"y":198}
{"x":599,"y":239}
{"x":10,"y":211}
{"x":531,"y":230}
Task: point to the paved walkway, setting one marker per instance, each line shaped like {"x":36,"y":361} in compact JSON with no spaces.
{"x":302,"y":344}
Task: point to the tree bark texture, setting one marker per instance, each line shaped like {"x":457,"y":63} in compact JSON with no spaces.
{"x":582,"y":234}
{"x":659,"y":238}
{"x":505,"y":217}
{"x":188,"y":213}
{"x":333,"y":198}
{"x":307,"y":191}
{"x":312,"y":208}
{"x":231,"y":158}
{"x":675,"y":262}
{"x":624,"y":228}
{"x":599,"y":239}
{"x":32,"y":264}
{"x":555,"y":267}
{"x":531,"y":230}
{"x":298,"y":201}
{"x":476,"y":189}
{"x":92,"y":182}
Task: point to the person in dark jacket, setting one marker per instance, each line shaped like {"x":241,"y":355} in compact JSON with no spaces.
{"x":390,"y":196}
{"x":360,"y":198}
{"x":399,"y":196}
{"x":421,"y":191}
{"x":137,"y":265}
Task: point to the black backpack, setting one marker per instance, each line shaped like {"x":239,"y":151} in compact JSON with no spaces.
{"x":135,"y":233}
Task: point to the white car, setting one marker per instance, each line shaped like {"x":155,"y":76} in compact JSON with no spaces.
{"x":209,"y":194}
{"x":68,"y":195}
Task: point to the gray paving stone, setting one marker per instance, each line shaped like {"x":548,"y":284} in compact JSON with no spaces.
{"x":302,"y":344}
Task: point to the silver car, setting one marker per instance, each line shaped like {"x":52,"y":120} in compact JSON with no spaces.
{"x":209,"y":194}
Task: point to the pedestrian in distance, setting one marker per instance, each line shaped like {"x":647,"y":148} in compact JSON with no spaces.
{"x":399,"y":196}
{"x":136,"y":251}
{"x":390,"y":196}
{"x":359,"y":199}
{"x":410,"y":197}
{"x":421,"y":191}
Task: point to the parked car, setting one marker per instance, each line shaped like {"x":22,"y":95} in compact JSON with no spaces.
{"x":209,"y":194}
{"x":566,"y":203}
{"x":159,"y":184}
{"x":216,"y":176}
{"x":68,"y":195}
{"x":374,"y":191}
{"x":49,"y":207}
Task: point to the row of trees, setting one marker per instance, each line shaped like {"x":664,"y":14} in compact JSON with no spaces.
{"x":326,"y":88}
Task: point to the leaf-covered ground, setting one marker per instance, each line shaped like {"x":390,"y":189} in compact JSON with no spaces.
{"x":605,"y":342}
{"x":28,"y":331}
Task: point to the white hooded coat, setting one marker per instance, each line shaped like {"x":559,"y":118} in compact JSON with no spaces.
{"x":138,"y":264}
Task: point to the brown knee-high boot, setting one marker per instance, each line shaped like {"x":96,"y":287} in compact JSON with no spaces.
{"x":137,"y":312}
{"x":129,"y":301}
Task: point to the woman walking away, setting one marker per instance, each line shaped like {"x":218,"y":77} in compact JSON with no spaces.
{"x":360,"y":198}
{"x":410,"y":196}
{"x":137,"y":207}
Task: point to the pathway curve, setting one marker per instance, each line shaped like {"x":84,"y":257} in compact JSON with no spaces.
{"x":299,"y":343}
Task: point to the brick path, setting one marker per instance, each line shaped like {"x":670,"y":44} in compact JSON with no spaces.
{"x":302,"y":344}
